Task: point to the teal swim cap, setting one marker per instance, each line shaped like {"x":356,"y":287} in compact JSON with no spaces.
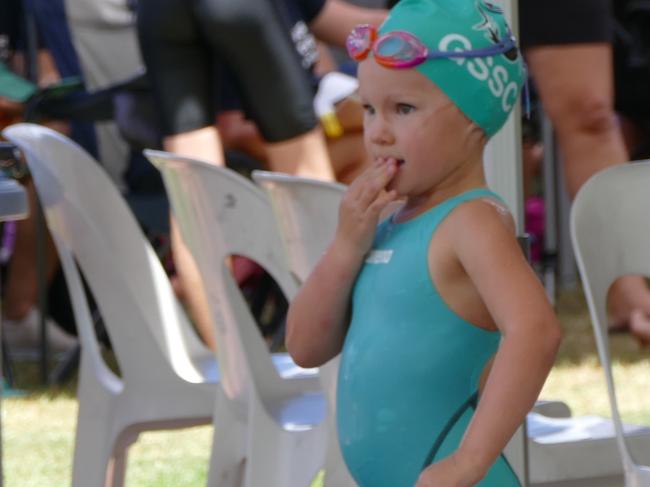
{"x":485,"y":89}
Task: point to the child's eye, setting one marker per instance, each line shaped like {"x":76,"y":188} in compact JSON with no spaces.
{"x":368,"y":109}
{"x":404,"y":108}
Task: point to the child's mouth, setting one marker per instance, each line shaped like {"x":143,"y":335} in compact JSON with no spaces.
{"x":400,"y":162}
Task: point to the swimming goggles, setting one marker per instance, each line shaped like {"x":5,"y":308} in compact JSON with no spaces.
{"x":400,"y":49}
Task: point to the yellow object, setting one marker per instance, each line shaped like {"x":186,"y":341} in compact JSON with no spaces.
{"x":331,"y":124}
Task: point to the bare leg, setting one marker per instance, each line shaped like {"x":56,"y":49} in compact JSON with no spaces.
{"x":21,"y":328}
{"x":22,"y":283}
{"x":203,"y":144}
{"x":576,"y":87}
{"x":304,"y":155}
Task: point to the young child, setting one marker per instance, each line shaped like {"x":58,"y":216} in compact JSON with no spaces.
{"x":445,"y":332}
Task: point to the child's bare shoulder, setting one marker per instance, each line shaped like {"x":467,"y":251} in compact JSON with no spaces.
{"x":483,"y":217}
{"x":482,"y":236}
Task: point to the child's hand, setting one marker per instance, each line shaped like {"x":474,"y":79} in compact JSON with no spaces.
{"x":448,"y":472}
{"x":362,"y":204}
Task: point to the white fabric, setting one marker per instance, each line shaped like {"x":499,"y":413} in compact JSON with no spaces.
{"x":104,"y":36}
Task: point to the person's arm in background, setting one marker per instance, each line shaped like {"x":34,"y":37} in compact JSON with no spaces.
{"x":326,"y":62}
{"x":337,"y":18}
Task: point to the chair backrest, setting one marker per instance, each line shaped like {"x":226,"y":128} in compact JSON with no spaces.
{"x":307,"y":211}
{"x":220,"y":213}
{"x":610,"y":229}
{"x":92,"y":227}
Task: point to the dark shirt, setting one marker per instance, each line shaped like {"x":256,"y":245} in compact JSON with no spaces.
{"x":296,"y":15}
{"x":52,"y":26}
{"x":11,"y":24}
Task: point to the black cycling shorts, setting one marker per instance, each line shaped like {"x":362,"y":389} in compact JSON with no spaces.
{"x":186,"y":44}
{"x":557,"y":22}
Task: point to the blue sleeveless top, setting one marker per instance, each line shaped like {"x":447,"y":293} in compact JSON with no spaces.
{"x":410,"y":366}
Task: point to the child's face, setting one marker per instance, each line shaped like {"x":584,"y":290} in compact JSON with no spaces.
{"x":409,"y":118}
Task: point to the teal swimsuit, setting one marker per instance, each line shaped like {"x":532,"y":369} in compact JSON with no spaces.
{"x":410,"y":366}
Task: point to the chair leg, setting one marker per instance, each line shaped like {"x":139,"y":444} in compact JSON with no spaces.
{"x":92,"y":455}
{"x":306,"y":457}
{"x":227,"y":459}
{"x":264,"y":465}
{"x":95,"y":438}
{"x":7,"y":364}
{"x":278,"y":458}
{"x":336,"y":472}
{"x":637,"y":476}
{"x":116,"y":471}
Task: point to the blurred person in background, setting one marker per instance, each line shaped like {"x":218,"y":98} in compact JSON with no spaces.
{"x":568,"y":47}
{"x":267,"y":50}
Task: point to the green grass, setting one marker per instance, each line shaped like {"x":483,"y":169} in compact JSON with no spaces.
{"x":577,"y":377}
{"x":38,"y":443}
{"x":38,"y":430}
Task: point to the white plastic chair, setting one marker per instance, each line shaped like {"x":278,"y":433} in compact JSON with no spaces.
{"x":610,"y":229}
{"x":168,"y":378}
{"x":306,"y":211}
{"x":221,"y":214}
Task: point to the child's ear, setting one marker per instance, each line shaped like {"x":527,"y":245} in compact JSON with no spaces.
{"x":475,"y":133}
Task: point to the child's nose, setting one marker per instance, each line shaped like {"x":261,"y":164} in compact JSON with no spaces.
{"x":380,"y":132}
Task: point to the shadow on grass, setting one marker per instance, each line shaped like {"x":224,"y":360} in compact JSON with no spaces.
{"x":27,"y":377}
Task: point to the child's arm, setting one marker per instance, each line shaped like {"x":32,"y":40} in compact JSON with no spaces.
{"x":318,"y":316}
{"x":488,"y":251}
{"x":337,"y":18}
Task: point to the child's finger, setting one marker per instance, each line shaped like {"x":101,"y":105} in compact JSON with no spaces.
{"x":382,"y":201}
{"x":377,"y":183}
{"x":375,"y":171}
{"x":359,"y":185}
